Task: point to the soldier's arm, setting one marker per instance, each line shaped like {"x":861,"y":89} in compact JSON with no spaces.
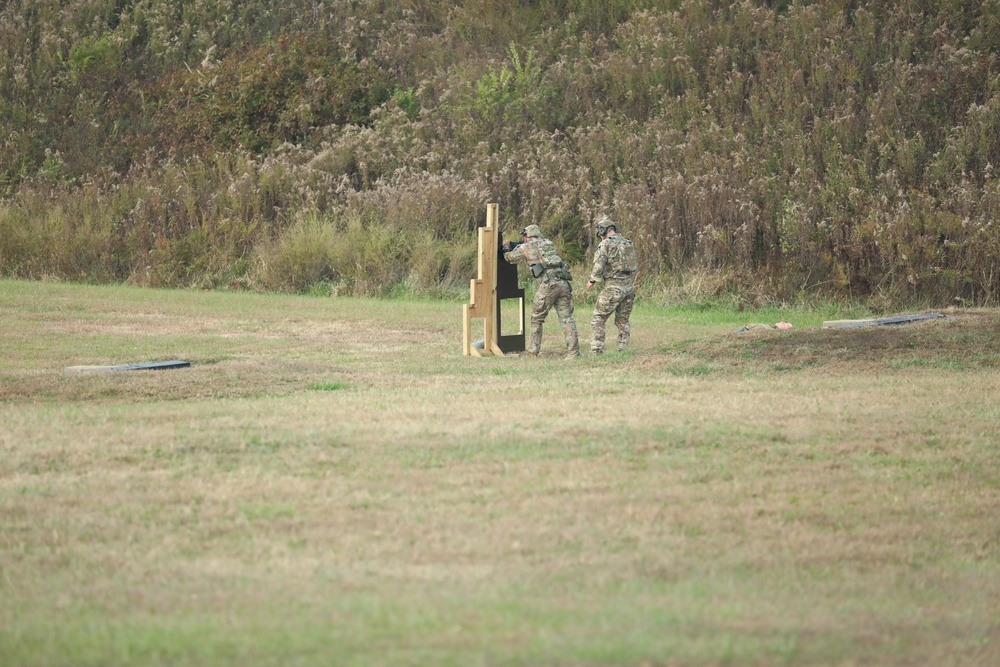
{"x":515,"y":255}
{"x":600,"y":262}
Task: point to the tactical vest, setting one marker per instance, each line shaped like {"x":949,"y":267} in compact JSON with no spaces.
{"x":621,"y":254}
{"x":543,"y":252}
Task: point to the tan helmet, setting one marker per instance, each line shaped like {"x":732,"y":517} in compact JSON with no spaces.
{"x":603,"y":225}
{"x":532,"y":230}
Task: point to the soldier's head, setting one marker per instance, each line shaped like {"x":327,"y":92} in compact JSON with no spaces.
{"x":532,"y":231}
{"x":603,"y":226}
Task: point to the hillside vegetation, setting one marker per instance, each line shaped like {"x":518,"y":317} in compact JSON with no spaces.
{"x":768,"y":149}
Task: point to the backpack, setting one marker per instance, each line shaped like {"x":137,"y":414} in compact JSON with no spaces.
{"x":549,"y":255}
{"x":621,"y":255}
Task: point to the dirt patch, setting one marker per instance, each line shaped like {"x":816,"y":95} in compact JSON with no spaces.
{"x":962,"y":339}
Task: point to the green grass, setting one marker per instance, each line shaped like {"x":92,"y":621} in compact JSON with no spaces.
{"x":331,"y":482}
{"x":329,"y":385}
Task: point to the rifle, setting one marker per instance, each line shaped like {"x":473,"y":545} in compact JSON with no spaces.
{"x":536,"y":269}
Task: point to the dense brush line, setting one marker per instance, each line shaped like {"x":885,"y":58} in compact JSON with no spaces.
{"x":771,"y":150}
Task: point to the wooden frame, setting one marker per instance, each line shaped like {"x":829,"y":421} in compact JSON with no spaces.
{"x":497,"y":280}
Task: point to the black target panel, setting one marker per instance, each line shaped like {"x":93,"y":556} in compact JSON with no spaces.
{"x":507,"y":288}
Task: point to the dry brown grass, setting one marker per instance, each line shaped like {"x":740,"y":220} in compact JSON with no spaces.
{"x":332,"y":483}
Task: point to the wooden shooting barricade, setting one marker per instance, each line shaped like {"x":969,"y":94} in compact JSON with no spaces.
{"x":497,"y":282}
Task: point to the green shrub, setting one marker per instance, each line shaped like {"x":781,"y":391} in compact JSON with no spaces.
{"x":301,"y":257}
{"x":93,"y":58}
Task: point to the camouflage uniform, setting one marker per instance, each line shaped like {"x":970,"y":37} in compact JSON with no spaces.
{"x":554,"y":288}
{"x":615,"y":263}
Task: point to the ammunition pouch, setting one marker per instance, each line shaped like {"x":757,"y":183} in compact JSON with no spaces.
{"x":537,"y":270}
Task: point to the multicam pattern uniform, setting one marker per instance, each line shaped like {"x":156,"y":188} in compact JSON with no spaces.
{"x":615,"y":263}
{"x":554,"y":289}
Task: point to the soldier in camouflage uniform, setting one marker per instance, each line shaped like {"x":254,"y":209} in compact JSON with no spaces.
{"x":554,"y":287}
{"x":615,"y":263}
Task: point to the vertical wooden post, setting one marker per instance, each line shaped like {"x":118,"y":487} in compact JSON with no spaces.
{"x":466,"y":332}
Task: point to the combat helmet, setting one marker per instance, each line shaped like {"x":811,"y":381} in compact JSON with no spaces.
{"x":532,"y":231}
{"x":603,"y":225}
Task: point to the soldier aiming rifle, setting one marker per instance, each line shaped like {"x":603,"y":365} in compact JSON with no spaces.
{"x":554,"y":288}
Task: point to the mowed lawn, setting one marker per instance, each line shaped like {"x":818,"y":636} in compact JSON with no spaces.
{"x":332,"y":483}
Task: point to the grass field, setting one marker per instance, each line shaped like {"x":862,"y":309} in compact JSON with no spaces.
{"x":332,"y":483}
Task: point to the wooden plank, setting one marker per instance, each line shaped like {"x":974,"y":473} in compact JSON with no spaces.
{"x":488,"y":251}
{"x":466,"y":331}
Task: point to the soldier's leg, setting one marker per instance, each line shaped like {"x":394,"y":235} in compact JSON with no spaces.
{"x":622,"y":314}
{"x":602,"y":311}
{"x":539,"y":310}
{"x":564,"y":307}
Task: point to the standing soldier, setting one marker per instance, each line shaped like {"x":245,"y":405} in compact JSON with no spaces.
{"x":615,"y":263}
{"x":554,"y":287}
